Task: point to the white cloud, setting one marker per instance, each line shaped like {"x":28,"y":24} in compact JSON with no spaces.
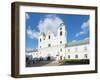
{"x":85,"y":24}
{"x":80,"y":33}
{"x":49,"y":23}
{"x":27,"y":16}
{"x":74,"y":41}
{"x":84,"y":28}
{"x":32,"y":33}
{"x":86,"y":38}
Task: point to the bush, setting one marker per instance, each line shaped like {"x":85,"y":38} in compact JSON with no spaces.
{"x":74,"y":61}
{"x":69,"y":60}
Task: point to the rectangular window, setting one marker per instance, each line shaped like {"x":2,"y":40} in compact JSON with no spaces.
{"x":60,"y":50}
{"x":85,"y":48}
{"x":85,"y":56}
{"x":76,"y":49}
{"x":68,"y":56}
{"x":76,"y":56}
{"x":60,"y":33}
{"x":68,"y":50}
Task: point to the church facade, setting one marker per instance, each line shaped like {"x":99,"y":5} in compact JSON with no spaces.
{"x":57,"y":47}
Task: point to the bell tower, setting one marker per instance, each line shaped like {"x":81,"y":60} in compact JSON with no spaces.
{"x":62,"y":33}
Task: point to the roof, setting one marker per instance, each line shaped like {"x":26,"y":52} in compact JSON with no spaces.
{"x":69,"y":44}
{"x":31,"y":50}
{"x":81,"y":42}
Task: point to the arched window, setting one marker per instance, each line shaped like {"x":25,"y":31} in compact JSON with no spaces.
{"x":40,"y":39}
{"x":60,"y":33}
{"x":49,"y":37}
{"x":61,"y":28}
{"x":60,"y":42}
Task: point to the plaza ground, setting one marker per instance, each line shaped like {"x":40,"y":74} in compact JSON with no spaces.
{"x":56,"y":63}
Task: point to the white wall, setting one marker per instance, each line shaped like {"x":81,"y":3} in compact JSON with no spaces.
{"x":5,"y":41}
{"x":80,"y":51}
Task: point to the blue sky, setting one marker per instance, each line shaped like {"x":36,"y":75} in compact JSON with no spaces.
{"x":77,"y":26}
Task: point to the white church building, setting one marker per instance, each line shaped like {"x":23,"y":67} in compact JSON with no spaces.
{"x":57,"y":47}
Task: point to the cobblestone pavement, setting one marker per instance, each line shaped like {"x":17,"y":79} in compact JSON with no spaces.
{"x":43,"y":63}
{"x":53,"y":63}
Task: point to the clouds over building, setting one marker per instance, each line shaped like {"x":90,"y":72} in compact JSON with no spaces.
{"x":51,"y":22}
{"x":48,"y":23}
